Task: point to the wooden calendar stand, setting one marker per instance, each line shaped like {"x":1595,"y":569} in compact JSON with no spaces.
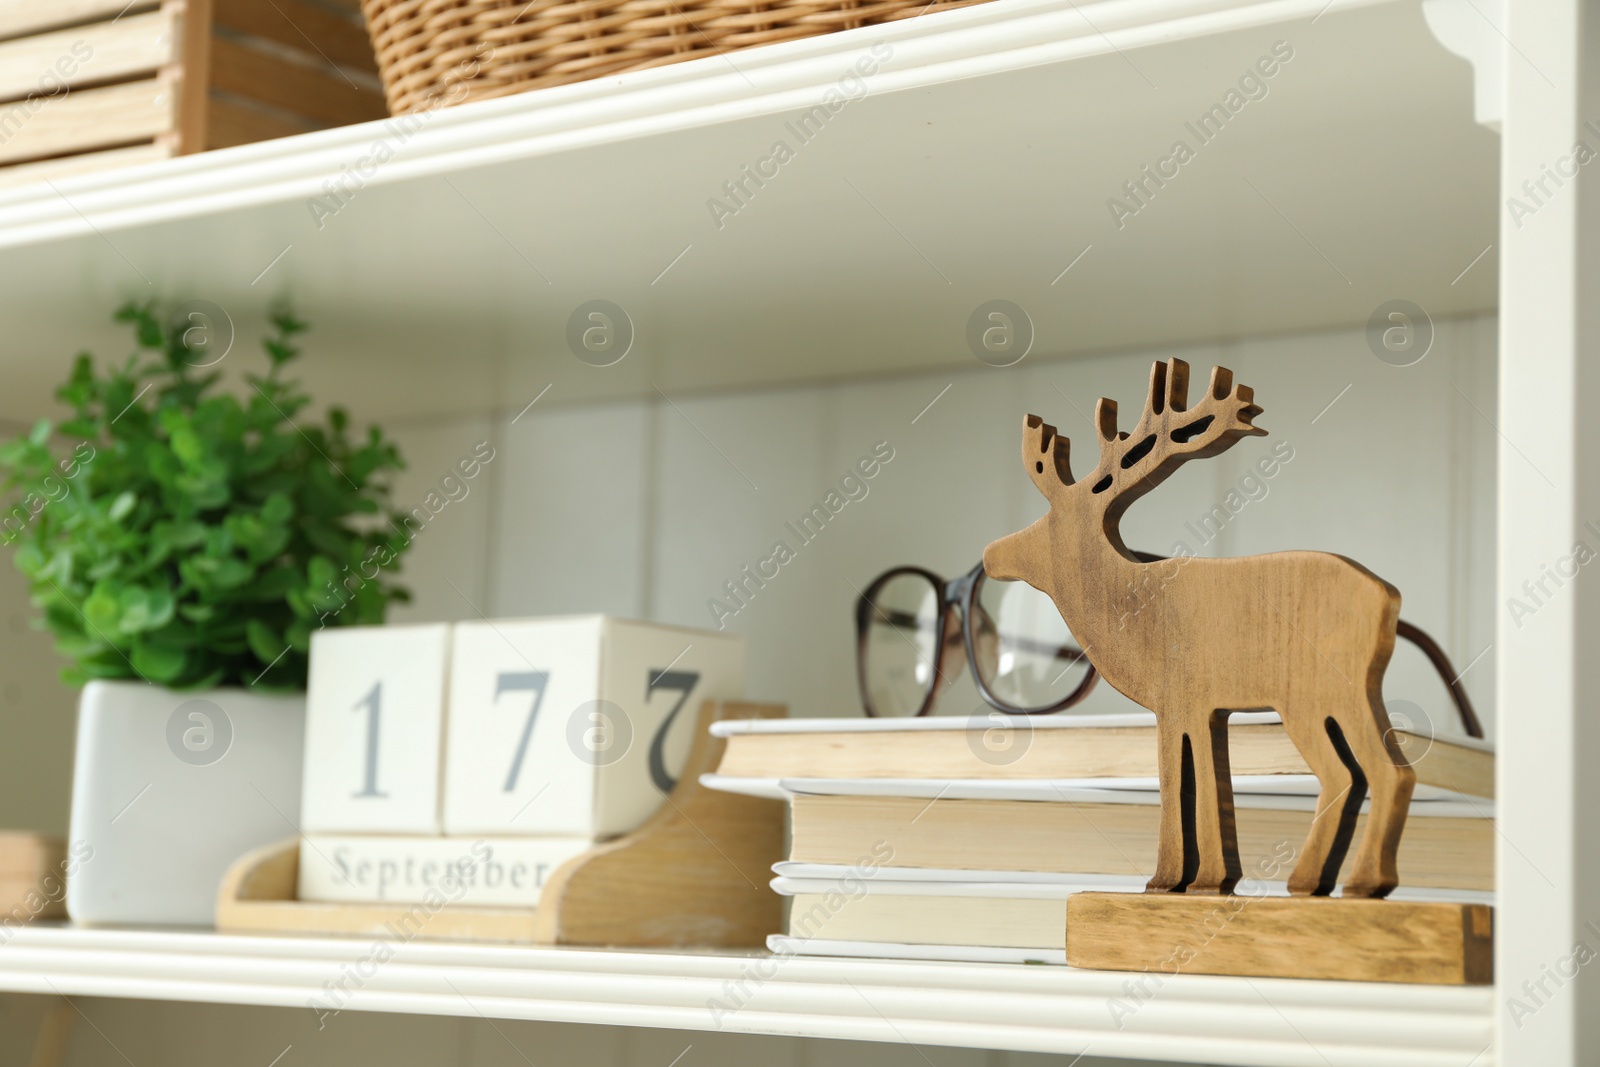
{"x":694,"y":875}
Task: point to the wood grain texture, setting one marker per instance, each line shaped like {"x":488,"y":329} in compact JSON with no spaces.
{"x":110,"y":51}
{"x":303,"y":27}
{"x":1070,"y":838}
{"x":1273,"y":937}
{"x":88,"y":119}
{"x":20,"y":17}
{"x":280,"y":56}
{"x":32,"y":877}
{"x":191,"y":74}
{"x":1307,"y":634}
{"x":230,"y":123}
{"x":1079,"y":752}
{"x":83,"y":163}
{"x":301,"y":89}
{"x":693,"y":876}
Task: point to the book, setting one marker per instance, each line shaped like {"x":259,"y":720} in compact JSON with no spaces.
{"x":1048,"y":747}
{"x":1446,"y":844}
{"x":988,"y":910}
{"x":782,"y":945}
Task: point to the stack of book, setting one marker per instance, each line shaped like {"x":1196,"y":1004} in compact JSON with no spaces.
{"x":921,"y":838}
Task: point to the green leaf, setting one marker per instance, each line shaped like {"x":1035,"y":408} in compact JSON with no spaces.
{"x":157,"y":663}
{"x":273,"y":584}
{"x":265,"y":642}
{"x":103,"y":610}
{"x":203,"y":529}
{"x":277,"y":509}
{"x":145,"y":609}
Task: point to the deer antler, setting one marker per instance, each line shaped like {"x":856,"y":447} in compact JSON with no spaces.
{"x":1046,"y":454}
{"x":1170,"y":432}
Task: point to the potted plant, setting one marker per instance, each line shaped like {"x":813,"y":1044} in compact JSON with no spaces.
{"x":182,"y":543}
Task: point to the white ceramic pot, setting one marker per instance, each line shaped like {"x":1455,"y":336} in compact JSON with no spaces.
{"x":169,"y":789}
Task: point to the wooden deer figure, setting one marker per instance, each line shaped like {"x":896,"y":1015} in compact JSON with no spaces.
{"x":1306,"y":634}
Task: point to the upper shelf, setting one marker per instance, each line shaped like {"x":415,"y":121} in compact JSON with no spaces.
{"x":1276,"y":1022}
{"x":980,"y":164}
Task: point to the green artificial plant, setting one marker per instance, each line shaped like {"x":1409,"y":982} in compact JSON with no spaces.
{"x":195,"y":538}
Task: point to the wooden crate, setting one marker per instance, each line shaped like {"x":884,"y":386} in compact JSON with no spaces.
{"x":88,"y":84}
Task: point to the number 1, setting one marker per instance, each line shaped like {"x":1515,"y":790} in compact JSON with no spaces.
{"x":522,"y":682}
{"x":373,"y":703}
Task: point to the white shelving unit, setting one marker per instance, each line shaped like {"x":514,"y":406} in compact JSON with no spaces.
{"x":979,"y":164}
{"x":1039,"y":1009}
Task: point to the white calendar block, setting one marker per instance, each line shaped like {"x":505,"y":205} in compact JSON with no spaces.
{"x":437,"y":871}
{"x":575,"y":725}
{"x":374,"y":729}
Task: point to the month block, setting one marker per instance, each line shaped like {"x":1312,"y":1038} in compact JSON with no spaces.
{"x":432,"y":871}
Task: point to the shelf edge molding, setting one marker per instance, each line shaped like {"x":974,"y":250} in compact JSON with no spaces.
{"x":1036,"y":1009}
{"x":939,"y":47}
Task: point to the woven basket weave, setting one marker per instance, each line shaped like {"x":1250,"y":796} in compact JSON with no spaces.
{"x":435,"y":52}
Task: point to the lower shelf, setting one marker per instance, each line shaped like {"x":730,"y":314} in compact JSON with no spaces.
{"x":1193,"y":1018}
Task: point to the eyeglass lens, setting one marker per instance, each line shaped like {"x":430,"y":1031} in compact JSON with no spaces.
{"x":1025,"y":654}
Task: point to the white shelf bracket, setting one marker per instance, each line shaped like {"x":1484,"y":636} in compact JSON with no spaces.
{"x":1471,"y":29}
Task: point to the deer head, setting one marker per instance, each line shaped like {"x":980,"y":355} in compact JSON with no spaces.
{"x":1168,"y":434}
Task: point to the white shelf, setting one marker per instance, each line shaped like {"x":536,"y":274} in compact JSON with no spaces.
{"x":1190,"y":1018}
{"x":979,"y":166}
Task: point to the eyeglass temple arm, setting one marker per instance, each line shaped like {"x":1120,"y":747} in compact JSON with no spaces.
{"x":1071,"y":653}
{"x":1429,"y":647}
{"x":1447,"y":672}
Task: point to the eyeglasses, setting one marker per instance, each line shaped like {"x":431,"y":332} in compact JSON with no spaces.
{"x":910,"y":623}
{"x":1024,"y":659}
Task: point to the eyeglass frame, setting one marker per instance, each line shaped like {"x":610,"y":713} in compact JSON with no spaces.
{"x":961,"y":591}
{"x":957,"y":598}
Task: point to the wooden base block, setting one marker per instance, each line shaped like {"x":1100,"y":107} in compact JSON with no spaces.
{"x":32,"y":877}
{"x":1423,"y":943}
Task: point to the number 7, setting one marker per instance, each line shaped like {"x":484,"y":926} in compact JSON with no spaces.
{"x":522,"y":682}
{"x":684,"y":682}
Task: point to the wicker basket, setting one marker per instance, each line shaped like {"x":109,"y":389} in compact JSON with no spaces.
{"x":436,"y":52}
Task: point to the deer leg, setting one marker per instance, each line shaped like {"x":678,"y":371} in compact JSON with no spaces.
{"x":1218,"y":870}
{"x":1334,"y":822}
{"x":1375,"y":872}
{"x":1175,"y":845}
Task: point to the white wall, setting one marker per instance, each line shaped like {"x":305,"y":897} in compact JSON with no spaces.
{"x":647,"y":508}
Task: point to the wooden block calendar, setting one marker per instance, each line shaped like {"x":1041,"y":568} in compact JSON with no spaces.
{"x":569,"y":726}
{"x":474,"y":759}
